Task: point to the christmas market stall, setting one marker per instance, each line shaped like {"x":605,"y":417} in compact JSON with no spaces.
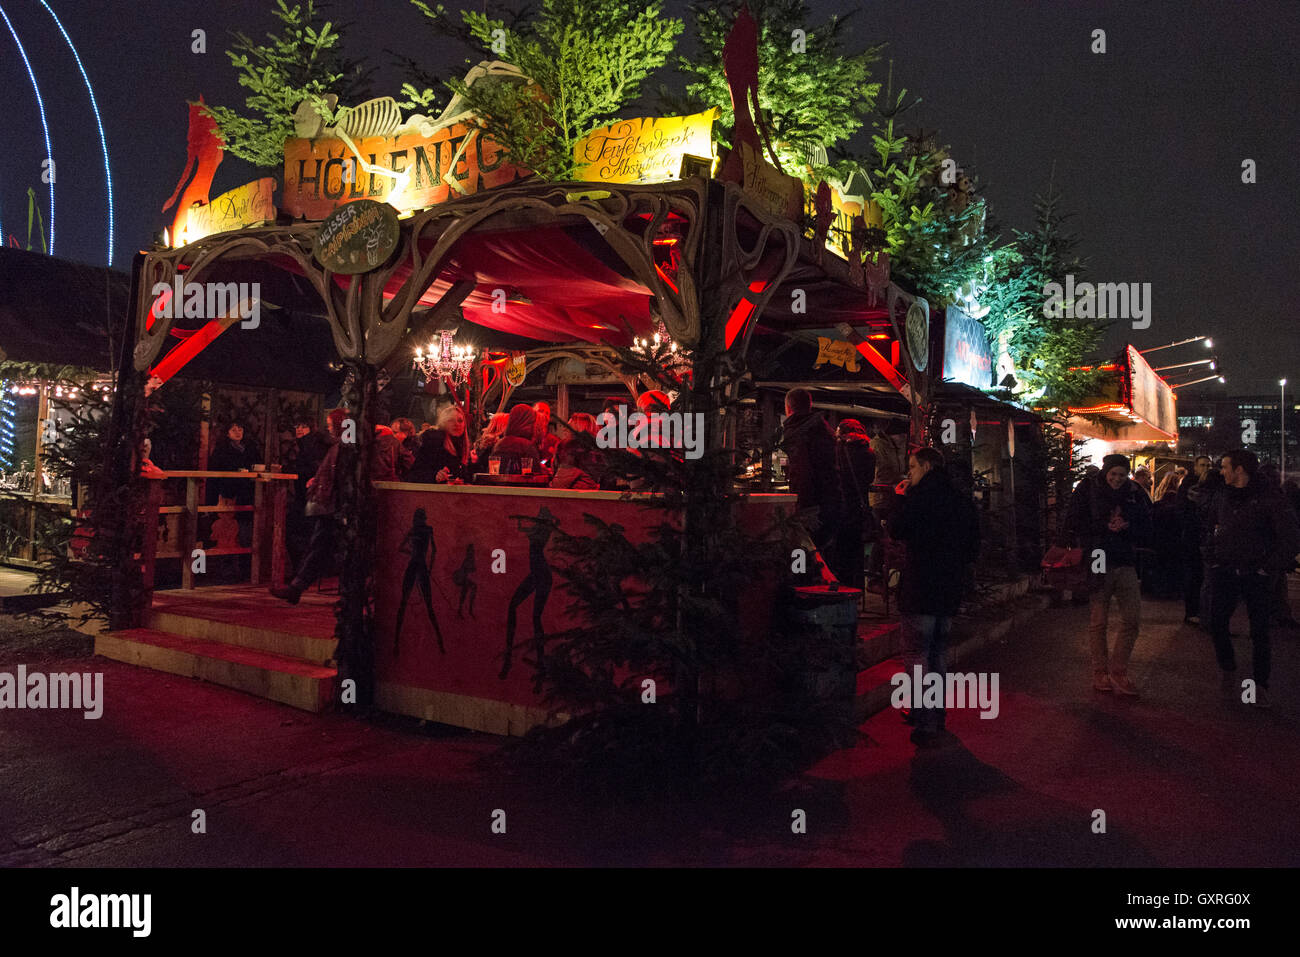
{"x":427,"y":258}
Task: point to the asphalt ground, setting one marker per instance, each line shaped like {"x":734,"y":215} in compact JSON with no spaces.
{"x":1183,"y":777}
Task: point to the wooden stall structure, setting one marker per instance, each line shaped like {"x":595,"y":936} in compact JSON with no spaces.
{"x":463,"y":244}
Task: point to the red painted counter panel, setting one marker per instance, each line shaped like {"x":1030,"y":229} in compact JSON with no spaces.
{"x":451,"y":561}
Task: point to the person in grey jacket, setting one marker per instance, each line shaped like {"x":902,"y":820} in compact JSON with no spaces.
{"x":1252,"y":538}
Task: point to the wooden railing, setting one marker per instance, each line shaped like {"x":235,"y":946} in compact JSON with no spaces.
{"x":270,"y":497}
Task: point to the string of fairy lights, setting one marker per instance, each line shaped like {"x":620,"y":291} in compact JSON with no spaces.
{"x":12,"y":390}
{"x":8,"y":429}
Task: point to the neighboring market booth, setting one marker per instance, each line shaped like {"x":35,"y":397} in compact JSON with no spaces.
{"x":1135,"y":412}
{"x":58,"y":321}
{"x":62,"y":330}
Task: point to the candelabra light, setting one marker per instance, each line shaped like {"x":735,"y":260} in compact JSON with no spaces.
{"x":442,"y":359}
{"x":661,"y":347}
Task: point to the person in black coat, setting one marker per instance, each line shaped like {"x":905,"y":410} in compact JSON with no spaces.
{"x":809,"y":446}
{"x":940,"y":529}
{"x":1190,"y":530}
{"x":310,"y":448}
{"x":856,"y":465}
{"x":1253,"y":538}
{"x":443,"y":455}
{"x":231,"y":454}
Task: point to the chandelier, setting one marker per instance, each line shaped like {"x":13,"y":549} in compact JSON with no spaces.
{"x":443,"y":360}
{"x":662,"y":349}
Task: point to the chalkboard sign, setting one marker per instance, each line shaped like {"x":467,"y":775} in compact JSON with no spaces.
{"x":357,"y":237}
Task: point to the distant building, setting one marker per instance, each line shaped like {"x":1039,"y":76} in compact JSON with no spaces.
{"x":1213,"y":425}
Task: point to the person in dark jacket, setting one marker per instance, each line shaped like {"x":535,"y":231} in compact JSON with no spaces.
{"x":809,"y":446}
{"x":231,"y":454}
{"x":940,"y":529}
{"x":1202,"y":499}
{"x":321,"y":508}
{"x":1193,"y":570}
{"x":855,"y":464}
{"x":1253,"y":537}
{"x":404,"y":429}
{"x":517,"y":444}
{"x":310,"y":447}
{"x":890,"y":449}
{"x":1111,"y":517}
{"x":443,"y":455}
{"x":390,"y":460}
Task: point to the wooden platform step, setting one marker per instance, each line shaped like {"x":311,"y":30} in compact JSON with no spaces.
{"x":292,"y":681}
{"x":206,"y":623}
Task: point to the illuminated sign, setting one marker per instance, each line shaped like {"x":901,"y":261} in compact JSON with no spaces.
{"x":247,"y":205}
{"x":646,"y":150}
{"x":844,"y":208}
{"x":407,"y":172}
{"x":837,"y":353}
{"x":1150,"y":396}
{"x":967,"y":357}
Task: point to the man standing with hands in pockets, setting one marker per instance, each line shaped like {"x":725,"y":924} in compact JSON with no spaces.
{"x":1111,"y":516}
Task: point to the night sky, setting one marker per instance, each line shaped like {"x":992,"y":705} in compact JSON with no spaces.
{"x":1148,"y":138}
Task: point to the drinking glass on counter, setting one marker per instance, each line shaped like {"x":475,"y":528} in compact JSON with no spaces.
{"x":526,"y":465}
{"x":494,"y":465}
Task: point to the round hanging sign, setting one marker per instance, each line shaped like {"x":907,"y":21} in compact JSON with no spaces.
{"x":918,"y":335}
{"x":357,"y":237}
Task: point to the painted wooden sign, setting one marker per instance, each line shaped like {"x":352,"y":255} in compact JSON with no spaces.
{"x":777,"y":192}
{"x":407,"y":172}
{"x":357,"y":238}
{"x":645,"y":150}
{"x":247,"y":205}
{"x":837,"y":353}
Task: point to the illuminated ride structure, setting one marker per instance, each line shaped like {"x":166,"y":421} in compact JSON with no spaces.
{"x":49,"y":165}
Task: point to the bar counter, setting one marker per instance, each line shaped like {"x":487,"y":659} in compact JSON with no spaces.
{"x":451,"y":561}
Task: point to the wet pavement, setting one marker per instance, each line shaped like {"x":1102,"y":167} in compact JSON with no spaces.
{"x":1182,"y":777}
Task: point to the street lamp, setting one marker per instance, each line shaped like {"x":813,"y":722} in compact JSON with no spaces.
{"x":1178,"y":365}
{"x":1209,"y":344}
{"x":1181,"y":385}
{"x":1282,"y":411}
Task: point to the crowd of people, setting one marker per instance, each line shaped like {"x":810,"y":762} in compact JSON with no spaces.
{"x":1223,"y":535}
{"x":852,"y":480}
{"x":521,"y":443}
{"x":883,"y":492}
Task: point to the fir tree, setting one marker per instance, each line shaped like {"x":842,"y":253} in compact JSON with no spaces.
{"x":670,"y":609}
{"x":586,"y":60}
{"x":1048,"y":351}
{"x":426,"y":89}
{"x":304,"y":61}
{"x":813,"y":88}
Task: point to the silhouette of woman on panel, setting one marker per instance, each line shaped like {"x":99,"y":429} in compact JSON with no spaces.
{"x":418,"y":541}
{"x":537,"y":583}
{"x":463,"y":578}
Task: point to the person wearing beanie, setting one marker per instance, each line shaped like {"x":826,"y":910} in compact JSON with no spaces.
{"x":517,"y":444}
{"x":1110,"y":516}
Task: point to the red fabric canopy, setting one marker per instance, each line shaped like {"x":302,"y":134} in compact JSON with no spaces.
{"x":556,"y":289}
